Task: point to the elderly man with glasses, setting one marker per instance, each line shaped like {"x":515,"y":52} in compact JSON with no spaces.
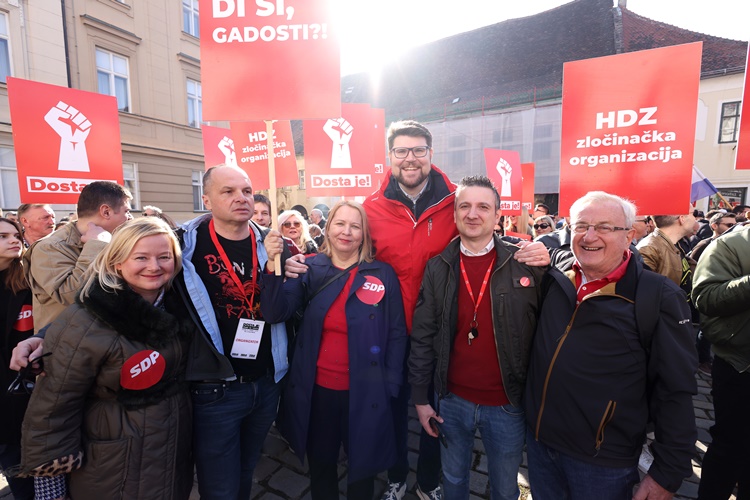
{"x":609,"y":355}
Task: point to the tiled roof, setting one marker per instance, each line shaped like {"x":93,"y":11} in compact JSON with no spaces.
{"x":523,"y":56}
{"x":719,"y":54}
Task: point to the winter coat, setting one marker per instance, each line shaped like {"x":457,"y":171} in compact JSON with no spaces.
{"x":406,"y":243}
{"x":110,"y":396}
{"x":515,"y":304}
{"x":594,"y":383}
{"x":662,"y":256}
{"x":18,"y":325}
{"x":377,"y":346}
{"x":55,"y":272}
{"x":721,"y":292}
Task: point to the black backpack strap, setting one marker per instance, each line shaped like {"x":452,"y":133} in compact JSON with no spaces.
{"x":647,"y":306}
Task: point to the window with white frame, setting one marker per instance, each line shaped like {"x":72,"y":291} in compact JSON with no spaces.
{"x":4,"y":48}
{"x":198,"y":191}
{"x":195,"y":103}
{"x":190,"y":17}
{"x":730,"y":121}
{"x":302,"y":179}
{"x":130,"y":180}
{"x":10,"y":197}
{"x":112,"y":77}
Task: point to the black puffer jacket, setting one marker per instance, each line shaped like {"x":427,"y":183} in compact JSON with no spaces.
{"x":12,"y":332}
{"x":515,"y":304}
{"x":136,"y":441}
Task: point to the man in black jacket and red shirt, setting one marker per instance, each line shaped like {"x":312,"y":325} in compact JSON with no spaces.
{"x":595,"y":379}
{"x":472,"y":332}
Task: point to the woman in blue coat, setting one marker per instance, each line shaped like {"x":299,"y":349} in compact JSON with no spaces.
{"x":348,"y":356}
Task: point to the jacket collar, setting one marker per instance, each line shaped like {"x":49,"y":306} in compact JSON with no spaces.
{"x":452,"y":252}
{"x":131,"y":316}
{"x":441,"y":186}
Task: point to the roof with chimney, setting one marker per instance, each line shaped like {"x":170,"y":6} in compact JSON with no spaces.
{"x":525,"y":57}
{"x":520,"y":61}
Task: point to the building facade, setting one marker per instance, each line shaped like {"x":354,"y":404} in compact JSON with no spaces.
{"x":498,"y":87}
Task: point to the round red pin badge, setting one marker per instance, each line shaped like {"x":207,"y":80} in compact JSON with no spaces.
{"x":142,"y":370}
{"x":372,"y":291}
{"x":525,"y":281}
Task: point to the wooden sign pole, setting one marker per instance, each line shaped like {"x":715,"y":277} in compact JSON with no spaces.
{"x":272,"y":186}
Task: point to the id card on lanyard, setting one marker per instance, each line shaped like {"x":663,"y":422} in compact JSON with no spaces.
{"x":249,"y":330}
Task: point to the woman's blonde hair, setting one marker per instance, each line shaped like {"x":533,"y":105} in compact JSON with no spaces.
{"x":366,"y":249}
{"x":304,"y":233}
{"x":124,"y":239}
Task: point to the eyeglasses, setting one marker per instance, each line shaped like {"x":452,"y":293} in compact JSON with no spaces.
{"x":599,"y":228}
{"x":418,"y":152}
{"x":291,"y":224}
{"x":543,"y":225}
{"x":23,"y":384}
{"x":728,"y":224}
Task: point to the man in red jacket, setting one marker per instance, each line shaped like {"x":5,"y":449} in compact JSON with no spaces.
{"x":411,"y":221}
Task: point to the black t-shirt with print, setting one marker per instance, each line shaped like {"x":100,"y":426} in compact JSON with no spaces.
{"x":230,"y":304}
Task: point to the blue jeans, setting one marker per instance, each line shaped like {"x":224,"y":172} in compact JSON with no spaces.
{"x":502,"y":429}
{"x":556,"y":476}
{"x":428,"y":458}
{"x":230,"y":424}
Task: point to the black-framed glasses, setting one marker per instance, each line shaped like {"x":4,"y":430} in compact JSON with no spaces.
{"x":581,"y":228}
{"x":23,"y":383}
{"x":418,"y":152}
{"x":543,"y":225}
{"x":728,"y":224}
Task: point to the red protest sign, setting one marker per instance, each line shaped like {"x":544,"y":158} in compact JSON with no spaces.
{"x":251,"y":148}
{"x":742,"y":159}
{"x":527,"y":192}
{"x":339,"y":152}
{"x":269,"y":59}
{"x":504,"y":169}
{"x":218,"y":147}
{"x":63,"y":139}
{"x":628,"y":127}
{"x":379,"y":150}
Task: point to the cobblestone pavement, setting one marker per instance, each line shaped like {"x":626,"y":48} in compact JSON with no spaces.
{"x":279,"y":474}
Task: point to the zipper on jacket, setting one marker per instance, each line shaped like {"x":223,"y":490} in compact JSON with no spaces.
{"x":609,"y":414}
{"x":498,"y":265}
{"x":560,"y":342}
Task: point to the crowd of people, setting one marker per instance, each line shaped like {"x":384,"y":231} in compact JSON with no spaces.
{"x":138,"y":351}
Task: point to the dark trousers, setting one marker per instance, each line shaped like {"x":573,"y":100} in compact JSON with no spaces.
{"x":428,"y":460}
{"x":727,"y":462}
{"x":329,"y":428}
{"x":703,"y":346}
{"x":22,"y":488}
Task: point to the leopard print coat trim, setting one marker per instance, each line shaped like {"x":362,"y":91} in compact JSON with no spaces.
{"x":63,"y":465}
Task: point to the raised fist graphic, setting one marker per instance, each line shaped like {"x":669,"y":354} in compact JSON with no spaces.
{"x":226,"y":146}
{"x":504,"y":169}
{"x":73,"y":129}
{"x":340,"y":131}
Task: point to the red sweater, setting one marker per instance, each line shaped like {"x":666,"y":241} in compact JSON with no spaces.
{"x":333,"y":357}
{"x":474,"y":370}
